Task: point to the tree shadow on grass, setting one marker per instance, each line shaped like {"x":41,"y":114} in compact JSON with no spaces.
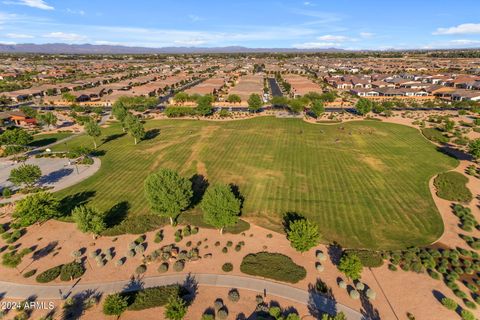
{"x":151,"y":134}
{"x":113,"y":137}
{"x":238,"y":194}
{"x":199,"y":186}
{"x":454,"y":153}
{"x":117,"y":214}
{"x":68,"y":203}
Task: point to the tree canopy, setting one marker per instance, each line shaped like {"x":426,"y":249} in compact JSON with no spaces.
{"x":120,"y":112}
{"x":16,"y":136}
{"x":303,"y":235}
{"x":351,"y":265}
{"x":26,"y":174}
{"x":93,"y":130}
{"x":220,"y":206}
{"x":363,"y":106}
{"x":317,"y":108}
{"x":168,"y":193}
{"x":176,"y":309}
{"x":115,"y":304}
{"x":48,"y":119}
{"x":135,"y":127}
{"x":254,"y":102}
{"x":89,"y":220}
{"x":234,"y":98}
{"x":36,"y":208}
{"x":204,"y":105}
{"x":474,"y":148}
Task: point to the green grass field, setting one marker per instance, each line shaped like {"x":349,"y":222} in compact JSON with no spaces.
{"x":364,"y":183}
{"x":41,"y":140}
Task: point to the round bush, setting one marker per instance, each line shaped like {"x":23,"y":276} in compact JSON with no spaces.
{"x":259,"y":299}
{"x":342,"y":284}
{"x":222,"y":314}
{"x":371,"y":295}
{"x":163,"y":267}
{"x":218,"y":304}
{"x":76,"y":254}
{"x":94,"y":254}
{"x":227,"y":267}
{"x":131,"y":253}
{"x":234,"y":295}
{"x":139,"y":249}
{"x":392,"y":267}
{"x":120,"y":262}
{"x":354,"y":295}
{"x":319,"y":267}
{"x":141,"y":269}
{"x":320,"y":256}
{"x":360,"y":286}
{"x":224,"y":250}
{"x":71,"y":271}
{"x":470,"y":304}
{"x":178,"y":266}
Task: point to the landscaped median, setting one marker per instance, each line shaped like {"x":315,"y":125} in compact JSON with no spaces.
{"x":274,"y":266}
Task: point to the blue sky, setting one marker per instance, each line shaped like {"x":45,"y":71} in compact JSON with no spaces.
{"x":347,"y":24}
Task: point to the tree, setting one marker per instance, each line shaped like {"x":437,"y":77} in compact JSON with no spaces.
{"x":181,"y":97}
{"x":297,"y":105}
{"x":220,"y":206}
{"x":204,"y":105}
{"x":49,"y":119}
{"x":15,"y":137}
{"x":363,"y":106}
{"x":279,"y":101}
{"x":67,"y":96}
{"x":351,"y":265}
{"x":168,"y":193}
{"x":303,"y":235}
{"x":135,"y":127}
{"x":474,"y":148}
{"x":448,"y":125}
{"x":176,"y":309}
{"x":449,"y":303}
{"x":89,"y":220}
{"x":28,"y":111}
{"x":120,"y":112}
{"x":234,"y":98}
{"x":115,"y":305}
{"x":338,"y":316}
{"x":254,"y":102}
{"x":317,"y":108}
{"x":36,"y":208}
{"x":26,"y":174}
{"x":93,"y":130}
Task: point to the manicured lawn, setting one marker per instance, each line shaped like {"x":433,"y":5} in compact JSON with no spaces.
{"x":41,"y":140}
{"x":364,"y":183}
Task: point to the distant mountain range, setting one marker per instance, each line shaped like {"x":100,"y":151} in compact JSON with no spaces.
{"x":59,"y":48}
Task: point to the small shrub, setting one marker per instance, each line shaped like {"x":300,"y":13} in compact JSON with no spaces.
{"x":360,"y":286}
{"x":163,"y":268}
{"x":30,"y":273}
{"x":72,"y":270}
{"x":227,"y":267}
{"x":319,"y":267}
{"x":234,"y":295}
{"x":141,"y":269}
{"x":449,"y":303}
{"x":371,"y":294}
{"x":354,"y":294}
{"x":470,"y":304}
{"x":120,"y":262}
{"x":224,"y":250}
{"x":218,"y":304}
{"x":49,"y":275}
{"x":178,"y":266}
{"x":222,"y":314}
{"x":342,"y":284}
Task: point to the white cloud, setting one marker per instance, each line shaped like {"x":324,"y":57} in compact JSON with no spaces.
{"x":79,"y":12}
{"x":452,"y":44}
{"x":39,"y":4}
{"x":18,"y":36}
{"x":194,"y":18}
{"x":333,"y":38}
{"x":466,"y":28}
{"x":366,"y":34}
{"x":192,"y":42}
{"x":67,"y":37}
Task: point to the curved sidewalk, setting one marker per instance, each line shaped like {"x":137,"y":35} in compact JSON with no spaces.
{"x":54,"y":292}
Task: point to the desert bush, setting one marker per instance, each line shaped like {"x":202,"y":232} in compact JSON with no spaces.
{"x":222,"y":314}
{"x":354,"y":294}
{"x":163,"y":267}
{"x":319,"y":267}
{"x":371,"y":295}
{"x":49,"y":275}
{"x":178,"y":265}
{"x":320,"y":256}
{"x":227,"y":267}
{"x":360,"y":286}
{"x":470,"y":304}
{"x":120,"y":262}
{"x":234,"y":295}
{"x":273,"y":266}
{"x":153,"y":297}
{"x":141,"y":269}
{"x":342,"y":284}
{"x":72,"y":270}
{"x":449,"y":303}
{"x":369,"y":259}
{"x":30,"y":273}
{"x":218,"y":304}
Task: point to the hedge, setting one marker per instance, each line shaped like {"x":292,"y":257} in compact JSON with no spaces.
{"x":369,"y":259}
{"x":153,"y":297}
{"x":72,"y":270}
{"x":273,"y":266}
{"x":49,"y":275}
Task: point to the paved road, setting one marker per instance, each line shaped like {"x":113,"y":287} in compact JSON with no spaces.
{"x":53,"y":292}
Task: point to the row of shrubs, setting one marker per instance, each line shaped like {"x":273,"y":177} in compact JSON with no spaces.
{"x":274,"y":266}
{"x":67,"y":272}
{"x":468,"y":222}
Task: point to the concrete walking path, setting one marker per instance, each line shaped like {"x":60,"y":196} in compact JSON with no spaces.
{"x":55,"y":292}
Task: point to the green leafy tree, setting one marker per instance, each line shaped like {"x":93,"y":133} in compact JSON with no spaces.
{"x":176,"y":309}
{"x":363,"y":106}
{"x":48,"y":119}
{"x":448,"y":125}
{"x":220,"y":206}
{"x":351,"y":265}
{"x":36,"y":208}
{"x":449,"y":303}
{"x":474,"y":148}
{"x":89,"y":220}
{"x":297,"y":105}
{"x":120,"y":112}
{"x":254,"y":102}
{"x":26,"y":174}
{"x":15,"y":137}
{"x":303,"y":235}
{"x":234,"y":98}
{"x":93,"y":130}
{"x":67,"y":96}
{"x":204,"y":105}
{"x":168,"y":193}
{"x":135,"y":127}
{"x":338,"y":316}
{"x":279,"y":101}
{"x":115,"y":305}
{"x":317,"y":108}
{"x":28,"y":111}
{"x":181,"y":97}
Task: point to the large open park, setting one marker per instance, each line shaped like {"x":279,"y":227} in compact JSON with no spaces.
{"x":364,"y":183}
